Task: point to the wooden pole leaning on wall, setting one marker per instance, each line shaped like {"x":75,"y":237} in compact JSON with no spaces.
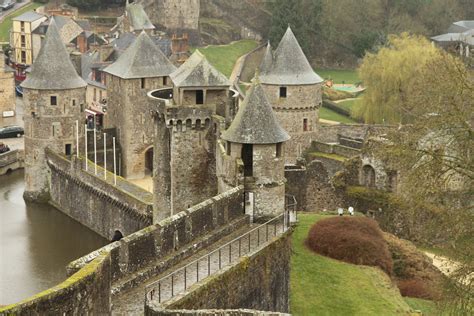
{"x":85,"y":145}
{"x":95,"y":149}
{"x":77,"y":138}
{"x":105,"y":156}
{"x":115,"y":162}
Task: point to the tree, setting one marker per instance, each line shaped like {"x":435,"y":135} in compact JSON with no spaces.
{"x":435,"y":159}
{"x":390,"y":76}
{"x":88,"y":5}
{"x":284,"y":13}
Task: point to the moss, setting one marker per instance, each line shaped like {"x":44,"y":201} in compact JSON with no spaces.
{"x":328,"y":156}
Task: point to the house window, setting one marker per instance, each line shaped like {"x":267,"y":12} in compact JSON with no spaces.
{"x":305,"y":125}
{"x":282,"y":92}
{"x":278,"y":150}
{"x":22,"y":26}
{"x":228,"y":149}
{"x":95,"y":94}
{"x":53,"y":100}
{"x":67,"y":149}
{"x":23,"y":57}
{"x":23,"y":40}
{"x":199,"y":97}
{"x":143,"y":83}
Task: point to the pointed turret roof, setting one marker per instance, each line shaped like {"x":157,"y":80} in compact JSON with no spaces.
{"x":142,"y":59}
{"x":266,"y":64}
{"x":289,"y":65}
{"x":53,"y":69}
{"x":198,"y":72}
{"x":139,"y":20}
{"x":255,"y":122}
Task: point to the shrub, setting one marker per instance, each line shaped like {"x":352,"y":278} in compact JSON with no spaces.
{"x":418,"y":288}
{"x":356,"y":240}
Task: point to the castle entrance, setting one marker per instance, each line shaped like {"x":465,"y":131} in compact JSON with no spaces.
{"x":149,"y":161}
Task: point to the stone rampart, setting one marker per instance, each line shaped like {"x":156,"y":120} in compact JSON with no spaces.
{"x":86,"y":290}
{"x":330,"y":148}
{"x":332,"y":133}
{"x":11,"y":160}
{"x":259,"y":281}
{"x":160,"y":246}
{"x":95,"y":202}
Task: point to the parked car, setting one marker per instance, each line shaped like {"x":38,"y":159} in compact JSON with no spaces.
{"x":4,"y":148}
{"x":6,"y":4}
{"x":19,"y":91}
{"x":11,"y":131}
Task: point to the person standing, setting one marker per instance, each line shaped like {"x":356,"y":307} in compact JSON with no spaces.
{"x":351,"y":211}
{"x":340,"y":211}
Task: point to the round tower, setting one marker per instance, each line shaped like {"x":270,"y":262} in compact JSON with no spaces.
{"x":294,"y":91}
{"x":256,"y":137}
{"x":54,"y":97}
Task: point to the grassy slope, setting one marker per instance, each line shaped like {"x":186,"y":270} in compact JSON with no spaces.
{"x":6,"y":24}
{"x":323,"y":286}
{"x":427,"y":307}
{"x":327,"y":114}
{"x":223,"y":57}
{"x":338,"y":76}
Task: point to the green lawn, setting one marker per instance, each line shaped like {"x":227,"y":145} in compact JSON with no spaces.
{"x":348,"y":105}
{"x":6,"y":24}
{"x":223,"y":57}
{"x":323,"y":286}
{"x":348,"y":76}
{"x":327,"y":114}
{"x":427,"y":307}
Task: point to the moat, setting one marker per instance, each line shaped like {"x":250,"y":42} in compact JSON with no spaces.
{"x":36,"y":243}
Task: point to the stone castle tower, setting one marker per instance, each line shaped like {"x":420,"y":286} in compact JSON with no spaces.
{"x":54,"y":97}
{"x":256,"y":137}
{"x":185,"y":135}
{"x":141,"y":68}
{"x":294,"y":90}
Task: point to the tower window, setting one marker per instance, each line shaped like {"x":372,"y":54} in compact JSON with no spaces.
{"x":143,"y":83}
{"x":73,"y":102}
{"x":278,"y":150}
{"x":282,"y":92}
{"x":199,"y":97}
{"x":53,"y":100}
{"x":305,"y":125}
{"x":165,"y":81}
{"x":228,"y":148}
{"x":67,"y":150}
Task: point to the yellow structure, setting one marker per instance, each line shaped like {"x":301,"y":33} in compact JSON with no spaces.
{"x":21,"y":37}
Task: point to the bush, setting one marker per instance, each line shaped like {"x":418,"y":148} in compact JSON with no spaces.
{"x":417,"y":288}
{"x":356,"y":240}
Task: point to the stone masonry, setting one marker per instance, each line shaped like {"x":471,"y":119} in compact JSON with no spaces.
{"x":7,"y":87}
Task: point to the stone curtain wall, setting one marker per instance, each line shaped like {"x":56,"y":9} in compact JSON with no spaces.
{"x":93,"y":202}
{"x":215,"y":312}
{"x":11,"y":160}
{"x":85,"y":292}
{"x":259,"y":281}
{"x":178,"y":236}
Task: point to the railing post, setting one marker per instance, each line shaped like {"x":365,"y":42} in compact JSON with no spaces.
{"x":258,"y":236}
{"x":197,"y":271}
{"x":209,"y":264}
{"x":172,"y":285}
{"x":275,"y":228}
{"x":230,"y":252}
{"x":249,"y":241}
{"x":240,"y":247}
{"x":159,"y":292}
{"x":185,"y":277}
{"x":220,"y":263}
{"x":266,"y":228}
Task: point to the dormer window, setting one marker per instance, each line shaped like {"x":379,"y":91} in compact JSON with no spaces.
{"x":282,"y":92}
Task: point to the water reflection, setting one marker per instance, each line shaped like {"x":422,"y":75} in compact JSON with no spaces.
{"x":36,"y":243}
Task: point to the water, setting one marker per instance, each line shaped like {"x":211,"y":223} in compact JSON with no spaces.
{"x":36,"y":243}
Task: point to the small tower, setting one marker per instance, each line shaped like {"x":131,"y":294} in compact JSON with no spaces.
{"x":294,"y":90}
{"x":256,"y":137}
{"x":54,"y":97}
{"x":141,"y":68}
{"x":185,"y":135}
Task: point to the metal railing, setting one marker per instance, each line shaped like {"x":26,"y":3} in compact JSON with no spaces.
{"x":181,"y":279}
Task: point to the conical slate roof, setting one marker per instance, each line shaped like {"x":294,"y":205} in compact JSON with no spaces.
{"x":198,"y":72}
{"x":138,"y":17}
{"x":266,"y":64}
{"x":52,"y":69}
{"x":142,"y":59}
{"x":255,"y":122}
{"x":289,"y":64}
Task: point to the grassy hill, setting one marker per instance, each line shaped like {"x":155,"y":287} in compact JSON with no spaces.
{"x":323,"y":286}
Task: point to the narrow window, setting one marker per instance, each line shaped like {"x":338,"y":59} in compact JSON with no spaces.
{"x":143,"y":83}
{"x":22,"y":26}
{"x":305,"y":125}
{"x":165,"y":81}
{"x":95,"y":94}
{"x":23,"y":57}
{"x":278,"y":150}
{"x":23,"y":41}
{"x":228,"y":148}
{"x":53,"y":100}
{"x":73,"y":102}
{"x":199,"y":97}
{"x":282,"y":92}
{"x":67,"y":150}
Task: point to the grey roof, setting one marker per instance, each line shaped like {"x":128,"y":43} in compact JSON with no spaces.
{"x":52,"y":69}
{"x":465,"y":37}
{"x":461,"y":26}
{"x":289,"y":64}
{"x":198,"y":72}
{"x":266,"y":64}
{"x":29,"y":16}
{"x":68,"y":28}
{"x":139,"y":20}
{"x":255,"y":122}
{"x":142,"y":59}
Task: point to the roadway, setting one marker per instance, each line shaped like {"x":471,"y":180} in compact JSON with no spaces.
{"x":17,"y":6}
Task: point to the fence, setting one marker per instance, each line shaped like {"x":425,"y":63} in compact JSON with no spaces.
{"x":199,"y":269}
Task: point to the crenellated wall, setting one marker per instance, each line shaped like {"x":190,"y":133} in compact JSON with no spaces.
{"x":95,"y":202}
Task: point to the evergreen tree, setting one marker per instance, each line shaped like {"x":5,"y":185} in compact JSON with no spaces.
{"x":285,"y":12}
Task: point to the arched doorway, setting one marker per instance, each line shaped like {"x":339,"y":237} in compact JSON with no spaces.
{"x":368,"y":176}
{"x":149,"y":161}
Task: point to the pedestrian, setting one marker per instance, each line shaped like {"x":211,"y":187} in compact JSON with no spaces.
{"x":340,"y":211}
{"x":351,"y":211}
